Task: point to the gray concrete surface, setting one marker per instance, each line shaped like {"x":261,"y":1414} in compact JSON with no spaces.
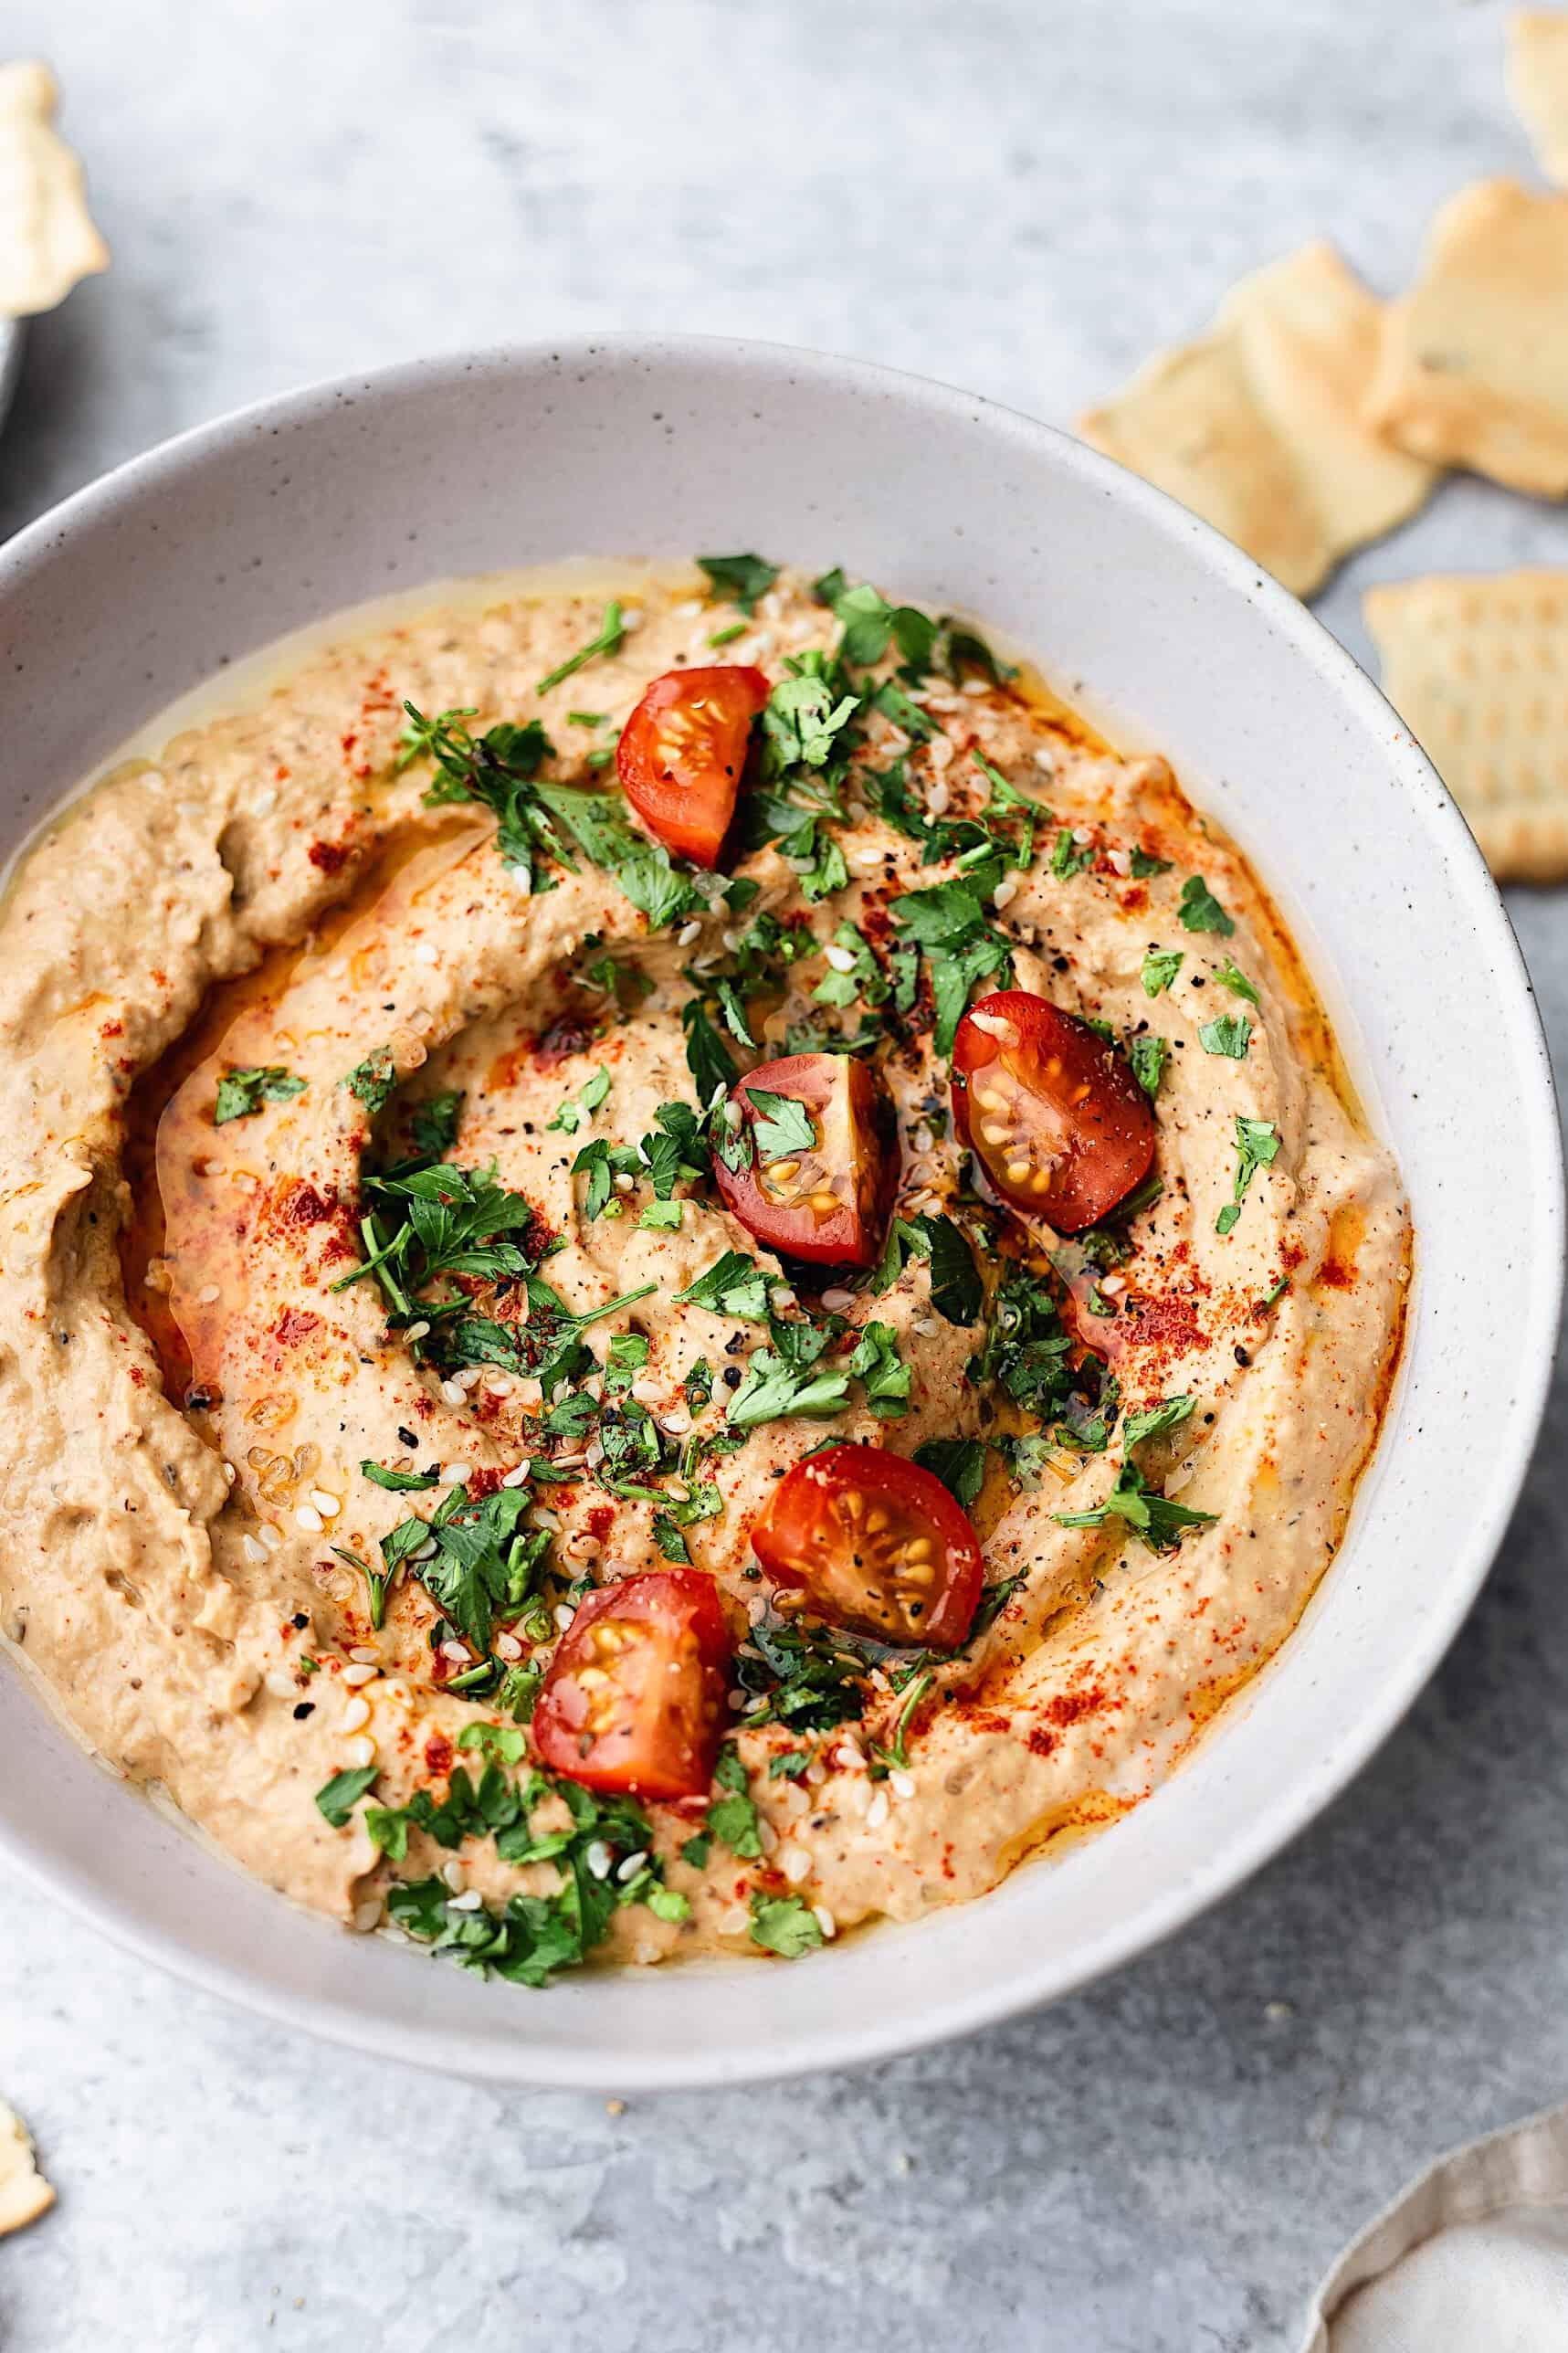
{"x":1025,"y":199}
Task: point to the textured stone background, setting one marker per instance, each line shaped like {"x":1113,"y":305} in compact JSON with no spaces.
{"x":1025,"y":199}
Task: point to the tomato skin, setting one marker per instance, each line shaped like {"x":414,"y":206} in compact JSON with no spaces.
{"x":642,"y":1728}
{"x":682,"y":751}
{"x":857,"y":1160}
{"x":1072,"y":1110}
{"x":815,"y":1534}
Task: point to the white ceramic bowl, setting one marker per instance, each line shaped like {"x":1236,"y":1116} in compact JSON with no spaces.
{"x":207,"y":548}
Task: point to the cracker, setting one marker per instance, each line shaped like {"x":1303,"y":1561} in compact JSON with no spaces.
{"x":48,"y":240}
{"x":1538,"y":83}
{"x":1258,"y":427}
{"x":1477,"y":666}
{"x":24,"y":2192}
{"x":1474,"y":369}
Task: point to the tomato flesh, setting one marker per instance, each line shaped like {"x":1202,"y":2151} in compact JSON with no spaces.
{"x":825,"y":1202}
{"x":878,"y":1545}
{"x":1053,"y":1113}
{"x":682,"y":751}
{"x":634,"y":1698}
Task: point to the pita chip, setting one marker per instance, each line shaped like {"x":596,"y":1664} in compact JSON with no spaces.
{"x":1538,"y":83}
{"x":1258,"y":427}
{"x":1477,"y":665}
{"x":48,"y":240}
{"x":24,"y":2192}
{"x":1474,"y":369}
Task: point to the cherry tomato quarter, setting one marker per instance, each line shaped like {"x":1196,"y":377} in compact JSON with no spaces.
{"x":635,"y":1696}
{"x":682,"y":752}
{"x":877,"y":1544}
{"x":824,"y":1165}
{"x":1052,"y":1111}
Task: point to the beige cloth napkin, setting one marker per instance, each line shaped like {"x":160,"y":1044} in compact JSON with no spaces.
{"x":1472,"y":2258}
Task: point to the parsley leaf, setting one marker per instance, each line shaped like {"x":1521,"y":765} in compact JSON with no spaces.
{"x":741,"y":579}
{"x":952,"y":925}
{"x":877,"y":1362}
{"x":1236,"y":982}
{"x":374,"y":1080}
{"x":1228,"y":1035}
{"x":772,"y":1389}
{"x":785,"y":1924}
{"x":806,"y":1676}
{"x":338,"y":1797}
{"x":434,"y":1124}
{"x":1147,"y":1058}
{"x":713,"y":1068}
{"x":783,"y":1126}
{"x":733,"y":1285}
{"x":577,"y":1110}
{"x":958,"y":1462}
{"x":1161,"y":966}
{"x":242,"y":1091}
{"x":608,"y":641}
{"x":482,"y":1564}
{"x":1156,"y":1421}
{"x":1158,"y":1524}
{"x":1144,"y":867}
{"x":1200,"y":910}
{"x":400,"y":1482}
{"x":733,"y":1819}
{"x":1257,"y":1145}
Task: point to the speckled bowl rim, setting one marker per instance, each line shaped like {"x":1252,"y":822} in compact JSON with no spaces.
{"x":511,"y":2056}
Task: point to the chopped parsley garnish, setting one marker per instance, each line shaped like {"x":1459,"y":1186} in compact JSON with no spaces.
{"x":1144,"y":867}
{"x":436,"y":1221}
{"x":870,"y":625}
{"x":611,"y":635}
{"x":732,"y":1818}
{"x":713,"y":1068}
{"x":1158,"y":1524}
{"x":958,"y":1462}
{"x":785,"y":1924}
{"x":1200,"y":910}
{"x":483,"y":1563}
{"x":1161,"y":966}
{"x":374,"y":1080}
{"x":733,"y":1285}
{"x":1228,"y":1036}
{"x":727,"y":636}
{"x":877,"y":1363}
{"x":338,"y":1797}
{"x":1257,"y":1144}
{"x":1236,"y":982}
{"x":241,"y":1092}
{"x":740,"y":579}
{"x":956,"y":1291}
{"x":1025,"y":1349}
{"x":809,"y":1677}
{"x":578,"y":1109}
{"x":1069,"y":857}
{"x":951,"y":924}
{"x":782,"y":1128}
{"x":1147,"y":1057}
{"x":1156,"y":1421}
{"x":774,"y":1388}
{"x":400,"y":1482}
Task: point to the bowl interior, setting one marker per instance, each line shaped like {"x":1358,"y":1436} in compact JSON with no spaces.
{"x":208,"y":549}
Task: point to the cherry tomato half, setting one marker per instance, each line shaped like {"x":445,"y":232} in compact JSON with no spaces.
{"x":682,"y":750}
{"x":825,"y":1199}
{"x":1054,"y":1114}
{"x":634,"y":1695}
{"x":876,"y":1543}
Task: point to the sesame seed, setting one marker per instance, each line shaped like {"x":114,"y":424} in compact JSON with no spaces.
{"x":367,"y":1916}
{"x":517,"y":1477}
{"x":795,"y":1862}
{"x":631,"y":620}
{"x":254,"y":1552}
{"x":565,"y":1613}
{"x":1122,"y":861}
{"x":836,"y":1300}
{"x":469,"y":1902}
{"x":625,"y":1183}
{"x":1083,"y":834}
{"x":780,"y":1297}
{"x":542,"y":1517}
{"x":354,"y":1677}
{"x":926,"y":1326}
{"x":902,"y":1784}
{"x":632,"y":1866}
{"x":825,"y":1921}
{"x":937,"y":796}
{"x":507,"y":1646}
{"x":996,"y":1025}
{"x":453,"y":1392}
{"x":269,"y":1535}
{"x":280,"y":1683}
{"x":972,"y":686}
{"x":1045,"y":761}
{"x":425,"y":952}
{"x":208,"y":1294}
{"x":689,"y":609}
{"x":598,"y":1859}
{"x":688,"y":933}
{"x":417,"y":1331}
{"x":456,"y":1877}
{"x":940,"y":751}
{"x":264,"y":804}
{"x":365,"y":1658}
{"x":1006,"y":891}
{"x":356,"y":1715}
{"x":676,"y":1423}
{"x":306,"y":1516}
{"x":425,"y":1549}
{"x":359,"y":1753}
{"x":457,"y":1651}
{"x":457,"y":1474}
{"x":841,"y":959}
{"x":877,"y":1811}
{"x":328,"y":1505}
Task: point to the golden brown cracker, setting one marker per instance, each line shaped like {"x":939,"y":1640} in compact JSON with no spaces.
{"x":47,"y":238}
{"x":24,"y":2192}
{"x":1474,"y":369}
{"x":1476,"y":664}
{"x":1538,"y":83}
{"x":1258,"y":427}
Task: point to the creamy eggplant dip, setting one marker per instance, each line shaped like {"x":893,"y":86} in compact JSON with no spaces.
{"x":677,"y":1272}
